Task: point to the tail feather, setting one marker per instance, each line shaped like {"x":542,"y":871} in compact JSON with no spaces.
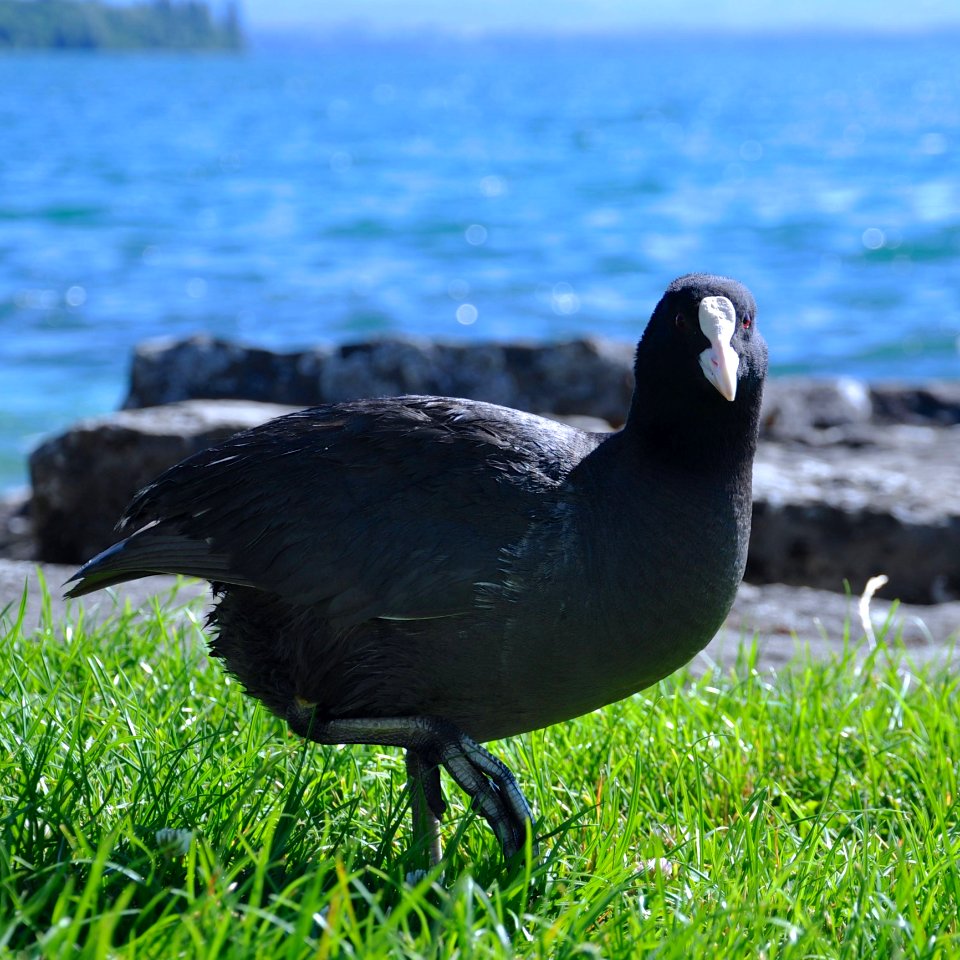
{"x":150,"y":552}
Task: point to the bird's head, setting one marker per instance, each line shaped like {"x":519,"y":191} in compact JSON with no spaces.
{"x":700,"y":369}
{"x":703,"y":333}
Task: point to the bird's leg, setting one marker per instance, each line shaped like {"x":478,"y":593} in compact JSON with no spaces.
{"x":487,"y":780}
{"x":426,"y":804}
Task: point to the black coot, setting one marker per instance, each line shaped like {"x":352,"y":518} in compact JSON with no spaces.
{"x":430,"y":573}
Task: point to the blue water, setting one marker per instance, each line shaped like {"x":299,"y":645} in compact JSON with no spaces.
{"x":540,"y":189}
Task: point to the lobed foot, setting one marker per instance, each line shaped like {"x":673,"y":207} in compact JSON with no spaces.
{"x":431,"y":742}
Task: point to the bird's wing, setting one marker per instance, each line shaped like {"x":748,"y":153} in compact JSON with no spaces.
{"x":392,"y":508}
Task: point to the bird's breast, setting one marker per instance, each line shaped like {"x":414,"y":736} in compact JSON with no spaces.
{"x":608,"y":610}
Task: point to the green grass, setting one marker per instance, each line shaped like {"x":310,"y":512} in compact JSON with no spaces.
{"x":150,"y":810}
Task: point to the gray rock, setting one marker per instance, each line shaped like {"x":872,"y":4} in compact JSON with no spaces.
{"x":83,"y":478}
{"x":933,"y":402}
{"x":828,"y":515}
{"x":846,"y":411}
{"x":591,"y":377}
{"x":201,"y":367}
{"x":16,"y":526}
{"x":811,"y":411}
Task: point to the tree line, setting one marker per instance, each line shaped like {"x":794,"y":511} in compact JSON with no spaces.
{"x":95,"y":25}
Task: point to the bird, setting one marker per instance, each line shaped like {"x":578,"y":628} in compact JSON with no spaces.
{"x":434,"y":573}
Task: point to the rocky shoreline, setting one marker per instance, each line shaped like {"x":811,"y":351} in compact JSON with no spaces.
{"x":852,"y":479}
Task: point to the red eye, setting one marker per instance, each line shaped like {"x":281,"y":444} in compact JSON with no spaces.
{"x":746,"y":323}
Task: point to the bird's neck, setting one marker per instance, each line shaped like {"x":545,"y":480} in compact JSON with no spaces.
{"x":695,"y":428}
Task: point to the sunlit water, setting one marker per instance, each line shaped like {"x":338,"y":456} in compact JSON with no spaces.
{"x":538,"y":189}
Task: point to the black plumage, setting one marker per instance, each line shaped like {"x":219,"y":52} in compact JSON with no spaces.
{"x":430,"y":572}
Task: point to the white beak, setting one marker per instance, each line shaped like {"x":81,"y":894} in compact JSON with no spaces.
{"x":719,"y":362}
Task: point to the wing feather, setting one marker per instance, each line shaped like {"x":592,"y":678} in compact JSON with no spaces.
{"x":392,"y":508}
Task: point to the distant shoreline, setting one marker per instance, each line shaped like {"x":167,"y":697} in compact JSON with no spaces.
{"x":91,"y":25}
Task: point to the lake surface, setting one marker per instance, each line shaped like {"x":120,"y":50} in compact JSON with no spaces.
{"x":471,"y":190}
